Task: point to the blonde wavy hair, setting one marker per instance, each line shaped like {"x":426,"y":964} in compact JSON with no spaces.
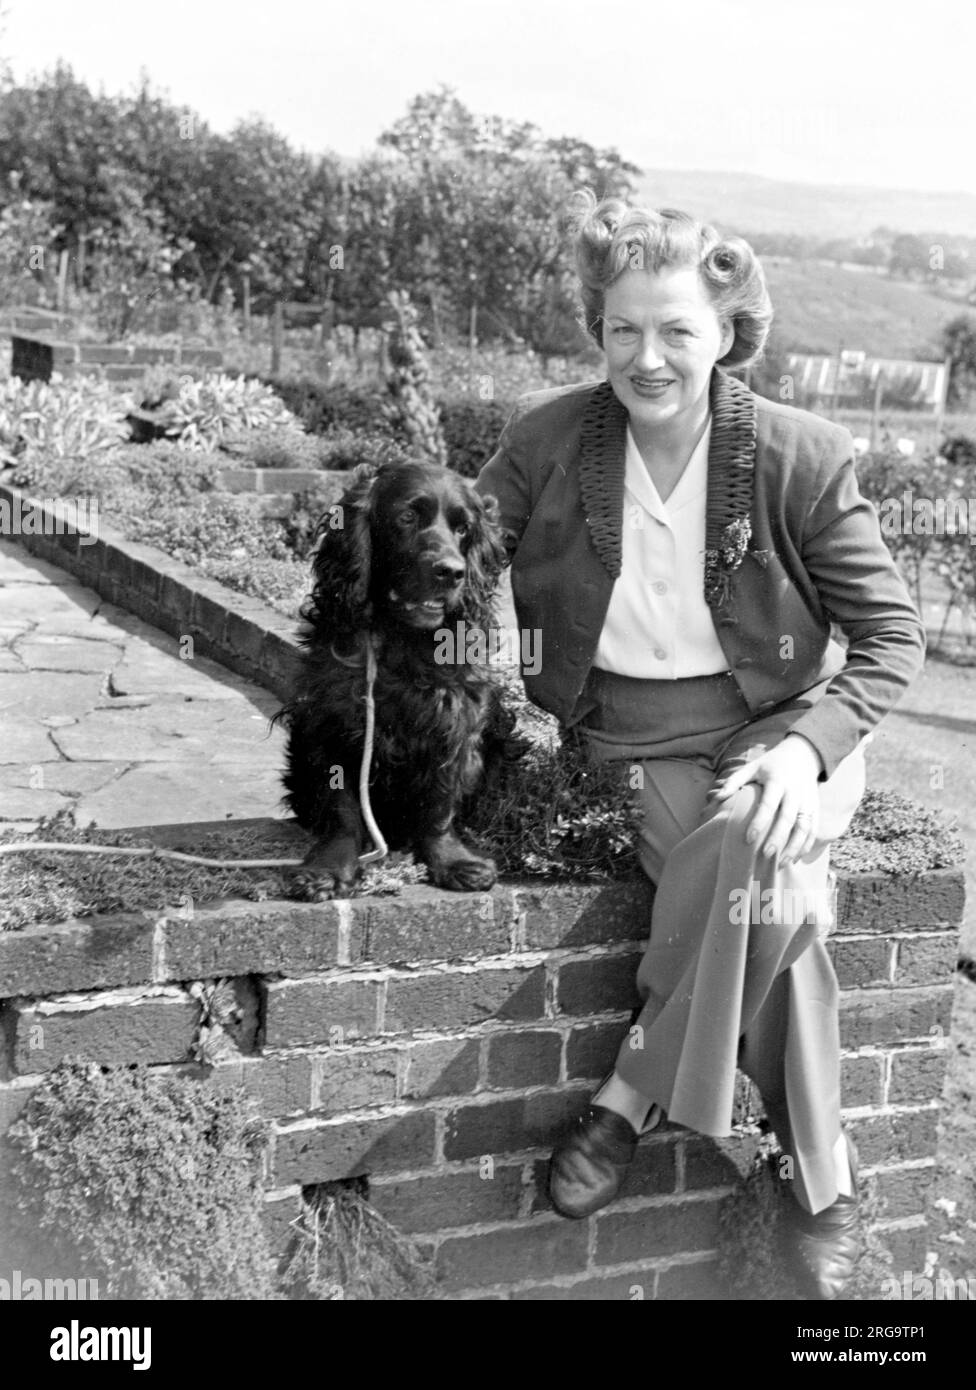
{"x":612,"y":236}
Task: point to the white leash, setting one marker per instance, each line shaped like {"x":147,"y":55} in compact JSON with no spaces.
{"x":154,"y":852}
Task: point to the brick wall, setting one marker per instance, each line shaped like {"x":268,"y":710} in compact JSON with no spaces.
{"x":35,"y":357}
{"x":438,"y":1042}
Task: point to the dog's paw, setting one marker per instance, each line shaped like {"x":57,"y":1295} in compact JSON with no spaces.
{"x":311,"y":886}
{"x":468,"y":875}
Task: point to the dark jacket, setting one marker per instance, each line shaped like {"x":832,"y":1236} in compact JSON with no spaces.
{"x":816,"y":555}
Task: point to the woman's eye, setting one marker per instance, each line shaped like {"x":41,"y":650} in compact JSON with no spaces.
{"x":625,"y":333}
{"x":680,"y":332}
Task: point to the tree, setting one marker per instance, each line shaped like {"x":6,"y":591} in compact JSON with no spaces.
{"x":959,"y":345}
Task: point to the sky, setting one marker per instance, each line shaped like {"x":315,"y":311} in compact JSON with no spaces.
{"x":876,"y":93}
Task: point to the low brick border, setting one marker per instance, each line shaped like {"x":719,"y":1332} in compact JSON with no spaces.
{"x":241,"y":632}
{"x":34,"y":356}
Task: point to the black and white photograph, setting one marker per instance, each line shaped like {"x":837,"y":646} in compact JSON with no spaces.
{"x":487,"y":666}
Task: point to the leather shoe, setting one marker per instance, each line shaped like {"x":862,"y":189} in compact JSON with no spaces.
{"x":826,"y":1245}
{"x":588,"y":1168}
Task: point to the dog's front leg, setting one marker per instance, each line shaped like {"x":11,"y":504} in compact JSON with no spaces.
{"x":331,"y":866}
{"x":451,"y":864}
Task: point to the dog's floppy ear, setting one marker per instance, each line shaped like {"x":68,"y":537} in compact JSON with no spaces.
{"x":485,"y":556}
{"x":342,"y":564}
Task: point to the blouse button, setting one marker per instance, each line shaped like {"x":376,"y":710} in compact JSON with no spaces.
{"x":660,"y":653}
{"x":660,"y":587}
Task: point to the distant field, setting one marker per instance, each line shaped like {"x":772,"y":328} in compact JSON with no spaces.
{"x":818,"y":306}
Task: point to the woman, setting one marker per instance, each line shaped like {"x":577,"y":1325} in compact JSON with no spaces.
{"x":682,"y":547}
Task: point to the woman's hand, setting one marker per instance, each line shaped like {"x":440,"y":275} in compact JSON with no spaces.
{"x":785,"y":820}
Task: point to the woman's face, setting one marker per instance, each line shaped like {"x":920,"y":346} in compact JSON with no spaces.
{"x":662,"y":337}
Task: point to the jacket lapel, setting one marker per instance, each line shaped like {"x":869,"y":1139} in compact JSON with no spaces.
{"x":731,"y":465}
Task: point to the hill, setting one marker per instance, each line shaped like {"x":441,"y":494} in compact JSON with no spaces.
{"x":746,"y":202}
{"x":819,"y":305}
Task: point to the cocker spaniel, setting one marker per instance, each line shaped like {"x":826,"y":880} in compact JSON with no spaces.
{"x":410,"y":553}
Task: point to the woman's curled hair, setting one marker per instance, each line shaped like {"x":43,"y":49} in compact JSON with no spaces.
{"x":612,"y":236}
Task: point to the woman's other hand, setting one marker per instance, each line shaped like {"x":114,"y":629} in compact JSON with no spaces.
{"x":785,"y":819}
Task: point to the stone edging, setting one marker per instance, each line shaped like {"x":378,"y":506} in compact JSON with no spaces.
{"x":240,"y":632}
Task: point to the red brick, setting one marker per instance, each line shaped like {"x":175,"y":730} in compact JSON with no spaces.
{"x":457,"y":999}
{"x":119,"y":1032}
{"x":281,"y":662}
{"x":319,"y":1011}
{"x":598,"y":984}
{"x":280,"y":1085}
{"x":346,"y":1079}
{"x":510,"y":1126}
{"x":176,"y":601}
{"x":150,"y":355}
{"x":867,"y":903}
{"x":894,"y":1138}
{"x":519,"y":1059}
{"x":245,"y":938}
{"x":244,"y":635}
{"x":697,"y":1282}
{"x":927,"y":960}
{"x":209,"y":613}
{"x":880,"y":1016}
{"x":442,"y":1067}
{"x":591,"y":1048}
{"x":507,"y":1256}
{"x":651,"y":1174}
{"x":606,"y":1288}
{"x":96,"y":954}
{"x":861,"y":1081}
{"x":426,"y":923}
{"x":716,"y":1162}
{"x":103,"y":352}
{"x":667,"y":1229}
{"x":861,"y":960}
{"x":903,"y":1191}
{"x":449,"y":1199}
{"x":917,"y":1075}
{"x":584,"y":915}
{"x":346,"y":1149}
{"x":909,"y":1247}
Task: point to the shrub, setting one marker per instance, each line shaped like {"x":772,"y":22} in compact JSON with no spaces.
{"x":212,"y":526}
{"x":147,"y":1183}
{"x":345,"y":1249}
{"x":277,"y":447}
{"x":471,"y":431}
{"x":74,"y":418}
{"x":322,"y":408}
{"x":206,"y":409}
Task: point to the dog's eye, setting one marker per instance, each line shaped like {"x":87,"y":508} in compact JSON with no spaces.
{"x":406,"y":516}
{"x":463,"y":528}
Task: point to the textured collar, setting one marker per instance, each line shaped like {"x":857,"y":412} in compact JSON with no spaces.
{"x":731,"y":462}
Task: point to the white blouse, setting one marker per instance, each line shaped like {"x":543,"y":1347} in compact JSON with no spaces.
{"x":658,"y":624}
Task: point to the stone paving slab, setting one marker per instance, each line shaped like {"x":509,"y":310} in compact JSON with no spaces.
{"x":99,"y":711}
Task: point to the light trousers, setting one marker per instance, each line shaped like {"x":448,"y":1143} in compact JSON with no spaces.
{"x":736,"y":971}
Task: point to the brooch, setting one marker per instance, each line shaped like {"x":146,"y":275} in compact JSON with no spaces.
{"x":722,"y":562}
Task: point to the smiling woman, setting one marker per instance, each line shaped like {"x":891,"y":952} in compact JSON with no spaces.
{"x":683,"y":546}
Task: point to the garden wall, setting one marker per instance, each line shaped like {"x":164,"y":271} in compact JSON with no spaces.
{"x":438,"y":1042}
{"x":35,"y":357}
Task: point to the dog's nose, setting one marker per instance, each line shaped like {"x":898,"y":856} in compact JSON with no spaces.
{"x":449,"y":571}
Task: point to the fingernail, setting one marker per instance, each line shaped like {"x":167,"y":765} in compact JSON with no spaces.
{"x":769,"y":851}
{"x":751,"y":837}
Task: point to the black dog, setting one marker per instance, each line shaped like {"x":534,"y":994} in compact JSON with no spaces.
{"x":410,"y":552}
